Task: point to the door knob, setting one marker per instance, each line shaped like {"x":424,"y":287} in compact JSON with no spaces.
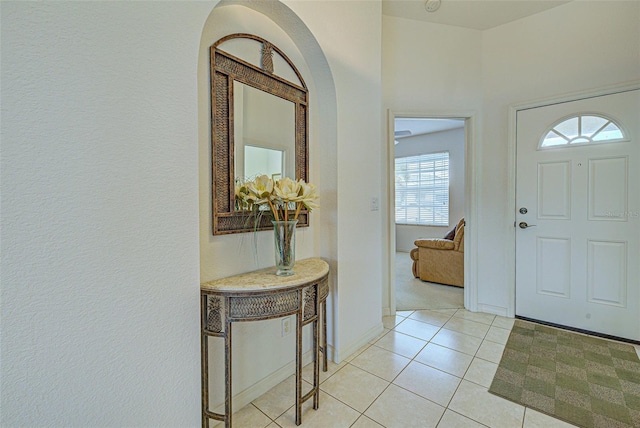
{"x":524,"y":225}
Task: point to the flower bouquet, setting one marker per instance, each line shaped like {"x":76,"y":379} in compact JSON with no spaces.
{"x":283,"y":199}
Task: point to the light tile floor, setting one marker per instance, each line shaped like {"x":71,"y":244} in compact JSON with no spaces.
{"x":429,"y":368}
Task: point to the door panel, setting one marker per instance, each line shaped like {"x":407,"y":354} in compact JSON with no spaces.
{"x":606,"y":280}
{"x":608,"y":184}
{"x":553,"y":274}
{"x":578,"y":243}
{"x":554,"y":190}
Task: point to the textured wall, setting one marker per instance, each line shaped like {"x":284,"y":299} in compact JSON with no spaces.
{"x":574,"y":47}
{"x":100,"y":276}
{"x":101,"y":124}
{"x":349,"y":33}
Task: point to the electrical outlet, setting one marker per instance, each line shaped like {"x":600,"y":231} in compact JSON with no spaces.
{"x":286,"y":326}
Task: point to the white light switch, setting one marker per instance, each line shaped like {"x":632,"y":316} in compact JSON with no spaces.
{"x":375,"y":203}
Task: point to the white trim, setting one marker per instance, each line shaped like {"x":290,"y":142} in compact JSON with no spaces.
{"x":471,"y":198}
{"x":367,"y":337}
{"x":472,"y":178}
{"x":496,"y":310}
{"x":579,"y":95}
{"x":390,"y":309}
{"x":510,"y":262}
{"x":511,"y":153}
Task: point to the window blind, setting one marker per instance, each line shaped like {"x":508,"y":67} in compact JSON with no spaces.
{"x":422,"y":189}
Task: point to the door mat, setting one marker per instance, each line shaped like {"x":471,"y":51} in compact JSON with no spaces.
{"x":584,"y":380}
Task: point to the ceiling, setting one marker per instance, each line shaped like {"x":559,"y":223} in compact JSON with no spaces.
{"x":473,"y":14}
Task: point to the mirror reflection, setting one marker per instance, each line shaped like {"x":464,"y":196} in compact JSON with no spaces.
{"x":264,"y":134}
{"x":258,"y":161}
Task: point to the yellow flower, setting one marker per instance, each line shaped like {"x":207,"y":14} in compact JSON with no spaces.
{"x":281,"y":198}
{"x":308,"y":195}
{"x":287,"y":190}
{"x":260,"y":189}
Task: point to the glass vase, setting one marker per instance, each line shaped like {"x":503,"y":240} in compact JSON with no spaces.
{"x":285,"y":246}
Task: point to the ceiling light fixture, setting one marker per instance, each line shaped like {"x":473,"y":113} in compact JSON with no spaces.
{"x":402,"y":133}
{"x":432,"y":5}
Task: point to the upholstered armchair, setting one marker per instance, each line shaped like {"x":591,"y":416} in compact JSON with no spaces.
{"x":440,"y":260}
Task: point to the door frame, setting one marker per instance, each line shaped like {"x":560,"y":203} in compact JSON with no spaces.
{"x":511,"y":153}
{"x":470,"y":202}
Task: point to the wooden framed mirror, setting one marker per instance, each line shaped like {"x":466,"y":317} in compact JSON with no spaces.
{"x":259,"y":125}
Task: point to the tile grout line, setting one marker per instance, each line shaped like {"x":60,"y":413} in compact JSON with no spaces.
{"x":467,"y":369}
{"x":411,"y":360}
{"x":435,"y":368}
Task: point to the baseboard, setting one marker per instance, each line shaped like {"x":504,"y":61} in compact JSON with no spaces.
{"x":355,"y":346}
{"x":331,"y":353}
{"x":490,"y":309}
{"x":265,"y":384}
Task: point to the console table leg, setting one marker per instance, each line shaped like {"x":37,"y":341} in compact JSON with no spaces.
{"x":299,"y":320}
{"x":228,"y":408}
{"x":316,"y":352}
{"x":204,"y":362}
{"x":324,"y":336}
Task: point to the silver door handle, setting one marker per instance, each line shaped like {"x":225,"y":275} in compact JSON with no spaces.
{"x":524,"y":225}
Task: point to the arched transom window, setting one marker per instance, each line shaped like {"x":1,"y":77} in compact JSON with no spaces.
{"x":583,"y":129}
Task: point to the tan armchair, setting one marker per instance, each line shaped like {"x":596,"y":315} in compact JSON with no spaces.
{"x":440,"y":260}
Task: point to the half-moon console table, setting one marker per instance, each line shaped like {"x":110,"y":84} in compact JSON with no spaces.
{"x":262,"y":295}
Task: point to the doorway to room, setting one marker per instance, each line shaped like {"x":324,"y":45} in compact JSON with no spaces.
{"x":428,"y":170}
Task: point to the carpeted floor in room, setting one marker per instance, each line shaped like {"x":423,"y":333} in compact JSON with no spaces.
{"x":413,"y":294}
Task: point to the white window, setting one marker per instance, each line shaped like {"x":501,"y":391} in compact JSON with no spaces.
{"x":582,"y":129}
{"x":422,"y":189}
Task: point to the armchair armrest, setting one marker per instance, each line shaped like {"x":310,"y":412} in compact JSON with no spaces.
{"x":436,"y":244}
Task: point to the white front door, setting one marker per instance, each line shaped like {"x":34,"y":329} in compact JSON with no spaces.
{"x":578,"y":214}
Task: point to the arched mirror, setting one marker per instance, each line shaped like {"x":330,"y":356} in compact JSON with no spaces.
{"x":259,"y":117}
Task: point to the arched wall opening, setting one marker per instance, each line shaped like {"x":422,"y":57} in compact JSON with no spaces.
{"x":225,"y":255}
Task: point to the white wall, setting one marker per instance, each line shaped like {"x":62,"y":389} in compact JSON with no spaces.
{"x":430,"y":67}
{"x":102,"y":131}
{"x":577,"y":46}
{"x":453,"y":142}
{"x":100,"y":276}
{"x":350,"y":33}
{"x":428,"y":70}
